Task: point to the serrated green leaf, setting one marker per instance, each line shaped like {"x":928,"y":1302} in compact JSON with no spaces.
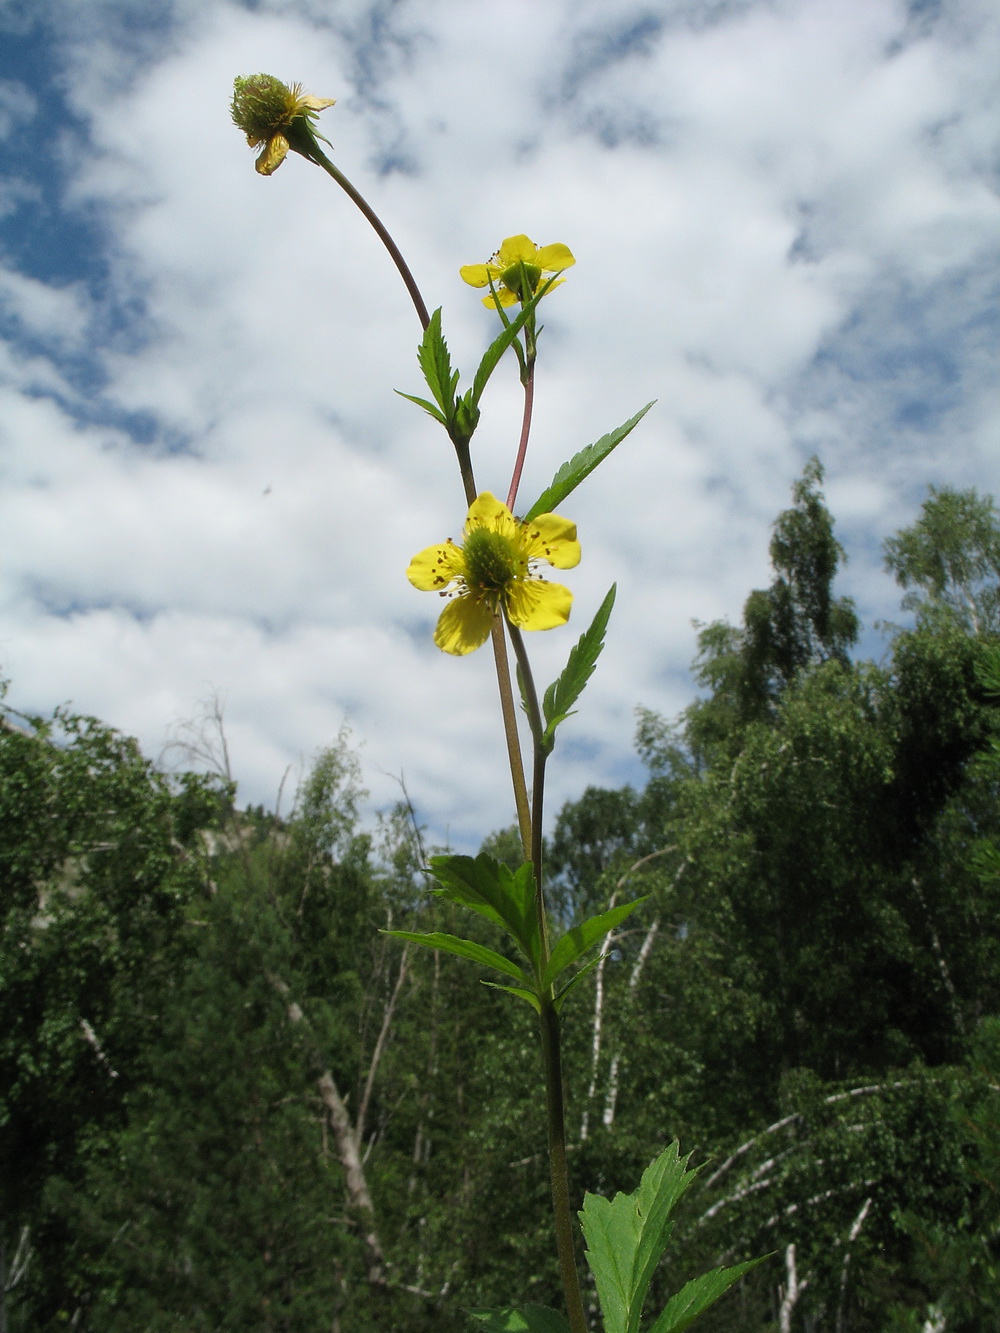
{"x":575,"y":980}
{"x":526,"y":1319}
{"x":503,"y":896}
{"x":580,"y":466}
{"x":422,"y":402}
{"x":577,"y":941}
{"x":626,"y":1237}
{"x":478,"y":953}
{"x":435,"y":362}
{"x":499,"y":345}
{"x":697,"y":1295}
{"x":562,"y":694}
{"x":520,"y":992}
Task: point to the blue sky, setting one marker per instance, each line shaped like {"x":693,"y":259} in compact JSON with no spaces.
{"x":785,"y":217}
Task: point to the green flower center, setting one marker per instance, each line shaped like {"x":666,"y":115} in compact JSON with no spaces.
{"x":491,"y":560}
{"x":260,"y":105}
{"x":521,"y":275}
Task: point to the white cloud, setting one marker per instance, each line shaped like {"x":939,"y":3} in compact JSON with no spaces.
{"x":785,"y":219}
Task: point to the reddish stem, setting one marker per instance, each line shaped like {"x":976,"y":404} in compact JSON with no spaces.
{"x":522,"y":447}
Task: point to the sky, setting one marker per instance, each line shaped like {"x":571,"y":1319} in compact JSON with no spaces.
{"x":786,"y":222}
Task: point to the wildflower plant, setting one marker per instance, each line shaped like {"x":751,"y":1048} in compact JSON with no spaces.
{"x":492,"y":590}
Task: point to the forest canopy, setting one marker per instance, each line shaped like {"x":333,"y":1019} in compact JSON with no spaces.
{"x":229,"y":1100}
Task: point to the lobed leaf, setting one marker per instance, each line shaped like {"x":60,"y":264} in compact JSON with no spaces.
{"x":580,"y":466}
{"x":562,"y":694}
{"x":428,"y":407}
{"x":527,"y":1319}
{"x":499,"y":345}
{"x":574,"y":980}
{"x":626,"y":1237}
{"x":435,"y":362}
{"x":697,"y":1295}
{"x":503,"y":896}
{"x":577,"y":941}
{"x":478,"y":953}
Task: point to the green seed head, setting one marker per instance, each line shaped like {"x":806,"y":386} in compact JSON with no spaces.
{"x":260,"y":105}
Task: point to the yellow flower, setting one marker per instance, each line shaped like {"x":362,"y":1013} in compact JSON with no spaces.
{"x":518,"y":263}
{"x":276,"y":118}
{"x":493,"y":571}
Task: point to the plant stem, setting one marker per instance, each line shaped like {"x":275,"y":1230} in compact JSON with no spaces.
{"x":555,"y":1109}
{"x":548,"y":1018}
{"x":522,"y":447}
{"x":323,"y":161}
{"x":538,"y":777}
{"x":507,"y":707}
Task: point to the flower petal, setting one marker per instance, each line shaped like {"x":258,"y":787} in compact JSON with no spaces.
{"x":312,"y":103}
{"x":504,"y":297}
{"x":554,"y":258}
{"x":464,"y":625}
{"x":538,"y":604}
{"x":553,"y":538}
{"x":274,"y":152}
{"x":516,"y":248}
{"x":436,"y":566}
{"x":476,"y":275}
{"x":486,"y":511}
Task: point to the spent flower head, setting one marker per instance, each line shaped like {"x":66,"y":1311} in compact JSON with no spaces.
{"x":493,"y":571}
{"x":518,"y":269}
{"x":277,"y":118}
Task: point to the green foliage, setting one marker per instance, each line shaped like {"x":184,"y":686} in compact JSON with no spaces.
{"x":460,"y":415}
{"x":949,"y":559}
{"x":561,"y":695}
{"x":580,"y":466}
{"x":528,"y":1319}
{"x":626,"y":1237}
{"x":809,"y":995}
{"x":794,"y":624}
{"x":506,"y":898}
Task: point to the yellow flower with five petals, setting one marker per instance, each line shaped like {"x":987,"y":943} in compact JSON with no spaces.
{"x":277,"y":118}
{"x":518,"y":263}
{"x":493,"y":571}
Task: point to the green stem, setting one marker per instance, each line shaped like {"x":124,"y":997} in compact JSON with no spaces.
{"x":538,"y":778}
{"x":321,"y":159}
{"x":555,"y":1110}
{"x":548,"y":1018}
{"x":507,"y":707}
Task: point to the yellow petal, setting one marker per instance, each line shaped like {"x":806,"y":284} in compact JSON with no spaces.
{"x":274,"y":153}
{"x":537,"y":604}
{"x":516,"y":248}
{"x":463,"y":626}
{"x":486,"y":508}
{"x":553,"y":538}
{"x":316,"y":103}
{"x":488,"y":512}
{"x":436,"y":566}
{"x":504,"y":297}
{"x":476,"y":275}
{"x":554,"y":258}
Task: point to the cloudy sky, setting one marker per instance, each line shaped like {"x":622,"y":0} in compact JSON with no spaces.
{"x":786,"y":221}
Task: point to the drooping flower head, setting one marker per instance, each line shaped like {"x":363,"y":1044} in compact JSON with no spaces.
{"x":493,"y":571}
{"x":518,"y":269}
{"x":276,"y":118}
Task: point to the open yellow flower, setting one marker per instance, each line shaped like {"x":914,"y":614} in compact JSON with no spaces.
{"x":519,"y":263}
{"x":493,"y":572}
{"x":277,"y":118}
